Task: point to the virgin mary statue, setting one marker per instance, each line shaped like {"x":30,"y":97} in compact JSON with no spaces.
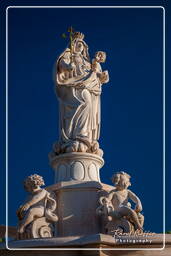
{"x":78,"y":87}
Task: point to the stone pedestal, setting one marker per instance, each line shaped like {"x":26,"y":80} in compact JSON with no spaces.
{"x":76,"y":166}
{"x":76,"y":208}
{"x":77,"y":186}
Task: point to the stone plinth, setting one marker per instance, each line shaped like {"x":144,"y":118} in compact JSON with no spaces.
{"x":77,"y":191}
{"x":76,"y":166}
{"x":76,"y":207}
{"x":93,"y":245}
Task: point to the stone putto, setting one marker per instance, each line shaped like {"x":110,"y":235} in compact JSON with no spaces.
{"x":36,"y":215}
{"x":116,"y":208}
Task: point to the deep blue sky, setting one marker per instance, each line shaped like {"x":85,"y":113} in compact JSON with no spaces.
{"x":131,"y":130}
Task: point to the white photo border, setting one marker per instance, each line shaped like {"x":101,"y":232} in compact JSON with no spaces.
{"x":163,"y":153}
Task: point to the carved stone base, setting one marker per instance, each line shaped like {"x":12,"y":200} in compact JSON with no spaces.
{"x":76,"y":207}
{"x":122,"y":225}
{"x":93,"y":245}
{"x":76,"y":166}
{"x":39,"y":228}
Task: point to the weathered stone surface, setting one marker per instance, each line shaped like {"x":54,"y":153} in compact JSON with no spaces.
{"x":78,"y":84}
{"x":76,"y":207}
{"x":97,"y":245}
{"x":115,"y":208}
{"x":76,"y":166}
{"x":36,"y":215}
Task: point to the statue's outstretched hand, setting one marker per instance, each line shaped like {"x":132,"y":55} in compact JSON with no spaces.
{"x":138,"y":208}
{"x":22,"y":209}
{"x":25,"y":207}
{"x":104,"y":77}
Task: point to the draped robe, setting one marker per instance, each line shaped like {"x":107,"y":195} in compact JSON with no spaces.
{"x":79,"y":99}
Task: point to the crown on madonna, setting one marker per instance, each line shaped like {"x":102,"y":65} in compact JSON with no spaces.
{"x":78,"y":35}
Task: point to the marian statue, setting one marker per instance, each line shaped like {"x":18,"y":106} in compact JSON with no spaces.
{"x":78,"y":87}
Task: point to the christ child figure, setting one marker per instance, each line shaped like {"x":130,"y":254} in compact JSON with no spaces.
{"x":100,"y":57}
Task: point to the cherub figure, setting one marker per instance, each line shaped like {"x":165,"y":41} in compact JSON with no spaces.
{"x":100,"y":57}
{"x":120,"y":197}
{"x":38,"y":204}
{"x":118,"y":207}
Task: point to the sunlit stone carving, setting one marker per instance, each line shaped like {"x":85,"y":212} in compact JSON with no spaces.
{"x":78,"y":85}
{"x":116,"y":208}
{"x":36,"y":215}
